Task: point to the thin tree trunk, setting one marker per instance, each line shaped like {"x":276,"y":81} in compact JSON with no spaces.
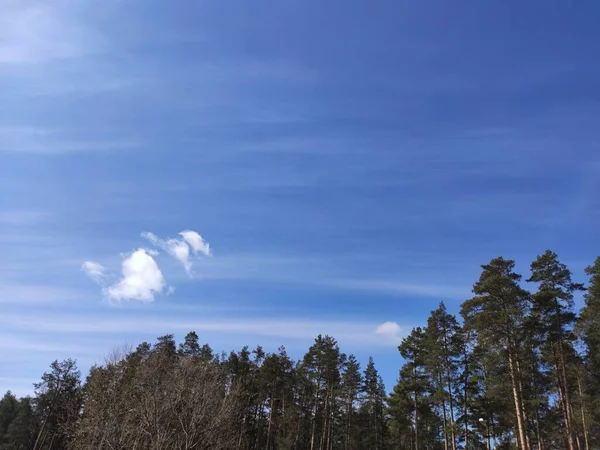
{"x":416,"y":423}
{"x":323,"y":442}
{"x":562,"y":399}
{"x":315,"y":410}
{"x":268,"y":447}
{"x":466,"y":407}
{"x":523,"y":408}
{"x":586,"y":435}
{"x":517,"y":401}
{"x":444,"y":417}
{"x":452,"y":431}
{"x":538,"y":433}
{"x":567,"y":397}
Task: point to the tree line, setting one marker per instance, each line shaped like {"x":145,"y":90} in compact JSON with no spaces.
{"x":517,"y":369}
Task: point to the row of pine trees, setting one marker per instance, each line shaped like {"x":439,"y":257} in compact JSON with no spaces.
{"x":516,"y":370}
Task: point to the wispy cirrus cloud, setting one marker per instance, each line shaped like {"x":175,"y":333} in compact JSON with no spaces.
{"x":34,"y":32}
{"x":356,"y":332}
{"x":397,"y":286}
{"x":23,"y":217}
{"x":26,"y":293}
{"x":94,"y":270}
{"x":44,"y":141}
{"x":181,"y":249}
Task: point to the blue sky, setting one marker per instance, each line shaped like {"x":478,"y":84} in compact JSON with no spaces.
{"x":349,"y":163}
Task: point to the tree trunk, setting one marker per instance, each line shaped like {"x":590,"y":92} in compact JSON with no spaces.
{"x":315,"y":410}
{"x":523,"y":408}
{"x":567,"y":397}
{"x":517,"y":400}
{"x":586,"y":435}
{"x":416,"y":423}
{"x":451,"y":400}
{"x":444,"y":417}
{"x":466,"y":406}
{"x":268,"y":447}
{"x":538,"y":433}
{"x":562,"y":399}
{"x":323,"y":442}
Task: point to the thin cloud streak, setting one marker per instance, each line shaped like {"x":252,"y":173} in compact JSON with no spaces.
{"x":356,"y":332}
{"x":51,"y":142}
{"x":38,"y":294}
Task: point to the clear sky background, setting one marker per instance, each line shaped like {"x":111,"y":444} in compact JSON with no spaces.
{"x":349,"y":163}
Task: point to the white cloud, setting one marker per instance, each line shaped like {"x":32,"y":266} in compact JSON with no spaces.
{"x":174,"y":247}
{"x":180,"y":248}
{"x":94,"y":270}
{"x":142,"y":279}
{"x":390,"y":330}
{"x":197,"y":242}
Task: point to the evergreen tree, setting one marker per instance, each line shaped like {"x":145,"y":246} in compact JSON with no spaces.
{"x":588,"y":328}
{"x":58,"y":405}
{"x":190,"y":346}
{"x":21,"y":431}
{"x":552,"y":309}
{"x":9,"y":408}
{"x":497,"y":314}
{"x":412,"y":396}
{"x":444,"y":344}
{"x":351,"y":385}
{"x":323,"y":364}
{"x":371,"y":411}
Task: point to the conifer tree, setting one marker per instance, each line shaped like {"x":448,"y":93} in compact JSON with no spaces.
{"x":496,"y":313}
{"x":552,"y":309}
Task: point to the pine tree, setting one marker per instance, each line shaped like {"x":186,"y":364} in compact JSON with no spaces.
{"x":190,"y":347}
{"x":351,"y":385}
{"x":20,"y":433}
{"x":372,"y":407}
{"x":412,"y":395}
{"x":443,"y":341}
{"x":497,"y":313}
{"x":323,"y":364}
{"x":58,"y":403}
{"x":553,"y":310}
{"x":9,"y":409}
{"x":588,"y":328}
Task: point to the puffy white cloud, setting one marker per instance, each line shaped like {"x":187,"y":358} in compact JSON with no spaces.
{"x":390,"y":330}
{"x":141,"y":280}
{"x":141,"y":277}
{"x":197,"y":242}
{"x":94,"y":270}
{"x":180,"y":248}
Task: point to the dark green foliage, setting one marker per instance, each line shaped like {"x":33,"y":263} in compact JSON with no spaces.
{"x":20,"y":433}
